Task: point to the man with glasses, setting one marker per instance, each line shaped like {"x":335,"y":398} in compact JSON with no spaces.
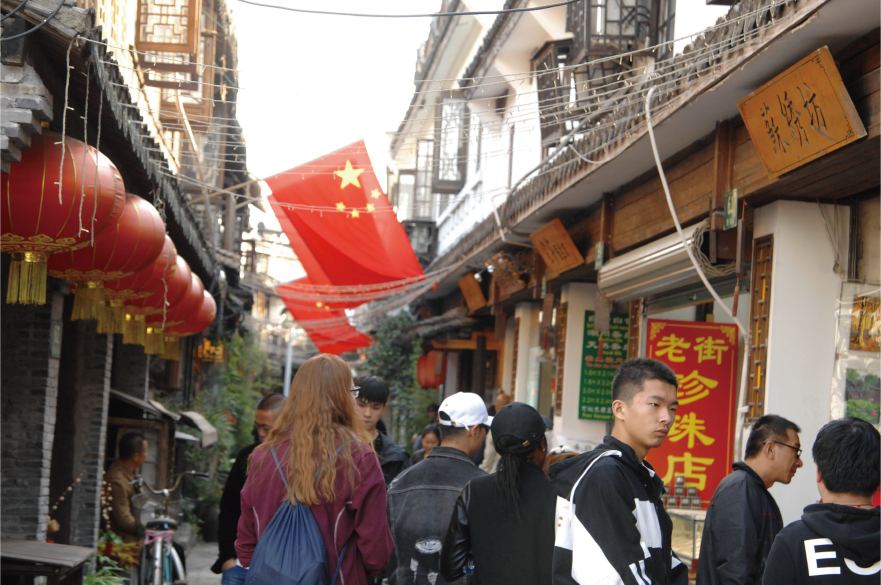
{"x":265,"y":414}
{"x":421,"y":500}
{"x":371,"y":397}
{"x":743,"y":519}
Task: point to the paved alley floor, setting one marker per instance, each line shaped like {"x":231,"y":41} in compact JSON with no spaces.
{"x":199,"y":561}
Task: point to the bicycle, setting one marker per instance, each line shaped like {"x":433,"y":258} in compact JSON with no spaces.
{"x":158,"y":513}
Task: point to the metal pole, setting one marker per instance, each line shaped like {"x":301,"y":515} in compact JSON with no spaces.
{"x":288,"y":363}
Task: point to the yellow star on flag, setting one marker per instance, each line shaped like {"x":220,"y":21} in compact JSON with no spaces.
{"x":370,"y":208}
{"x":375,"y":193}
{"x":356,"y":214}
{"x":349,"y":175}
{"x":341,"y":206}
{"x":318,"y":304}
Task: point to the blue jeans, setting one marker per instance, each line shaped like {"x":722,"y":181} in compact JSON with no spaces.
{"x":234,"y":576}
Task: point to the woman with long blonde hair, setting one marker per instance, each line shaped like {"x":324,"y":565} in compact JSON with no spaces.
{"x":317,"y":430}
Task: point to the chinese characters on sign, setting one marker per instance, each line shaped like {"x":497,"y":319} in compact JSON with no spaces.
{"x":699,"y":445}
{"x":601,"y":356}
{"x":800,"y":115}
{"x":556,"y":247}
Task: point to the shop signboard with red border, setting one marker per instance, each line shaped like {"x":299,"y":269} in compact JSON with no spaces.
{"x":700,"y":445}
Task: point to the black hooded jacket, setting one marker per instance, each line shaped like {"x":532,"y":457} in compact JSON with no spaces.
{"x":618,"y":531}
{"x":830,"y":545}
{"x":392,"y":459}
{"x":742,"y":521}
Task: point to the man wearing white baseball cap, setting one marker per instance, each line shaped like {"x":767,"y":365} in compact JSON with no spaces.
{"x":422,"y":498}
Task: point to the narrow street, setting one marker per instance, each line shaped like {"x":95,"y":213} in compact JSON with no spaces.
{"x":199,"y":561}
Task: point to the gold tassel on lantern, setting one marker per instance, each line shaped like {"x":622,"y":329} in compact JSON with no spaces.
{"x":88,"y":301}
{"x":172,"y":349}
{"x":113,"y":319}
{"x":27,"y":278}
{"x":135,"y":330}
{"x":155,"y":341}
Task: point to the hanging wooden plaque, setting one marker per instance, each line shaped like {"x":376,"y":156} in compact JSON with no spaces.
{"x":556,"y":247}
{"x":471,"y":291}
{"x":800,"y":115}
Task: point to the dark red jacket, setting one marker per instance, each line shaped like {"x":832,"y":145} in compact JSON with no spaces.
{"x":355,"y":516}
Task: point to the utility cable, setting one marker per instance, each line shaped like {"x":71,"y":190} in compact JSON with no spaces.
{"x":745,"y":333}
{"x":36,"y":28}
{"x":429,"y":14}
{"x":14,"y":10}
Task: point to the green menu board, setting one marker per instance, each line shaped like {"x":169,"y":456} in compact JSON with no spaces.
{"x":602,"y":354}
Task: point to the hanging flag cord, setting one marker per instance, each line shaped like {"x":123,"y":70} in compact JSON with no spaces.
{"x":744,"y":376}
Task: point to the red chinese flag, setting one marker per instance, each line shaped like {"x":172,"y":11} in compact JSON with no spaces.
{"x":354,"y":238}
{"x":328,"y":329}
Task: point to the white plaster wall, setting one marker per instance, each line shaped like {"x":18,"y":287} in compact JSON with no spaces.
{"x":568,"y":428}
{"x":451,"y":381}
{"x":801,"y":344}
{"x":528,"y":338}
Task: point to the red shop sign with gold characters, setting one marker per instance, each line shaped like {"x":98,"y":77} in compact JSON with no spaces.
{"x":700,"y":445}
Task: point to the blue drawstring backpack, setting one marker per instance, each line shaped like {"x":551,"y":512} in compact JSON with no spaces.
{"x":291,"y":551}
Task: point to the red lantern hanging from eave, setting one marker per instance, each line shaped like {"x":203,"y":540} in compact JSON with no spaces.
{"x":165,"y":294}
{"x":33,"y":221}
{"x":120,"y":251}
{"x":431,"y":369}
{"x":176,"y":315}
{"x":200,"y":321}
{"x":138,"y":285}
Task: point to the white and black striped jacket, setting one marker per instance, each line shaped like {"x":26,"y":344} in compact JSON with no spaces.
{"x":611,"y":527}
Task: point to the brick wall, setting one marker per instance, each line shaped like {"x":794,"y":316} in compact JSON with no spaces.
{"x":94,"y":358}
{"x":28,"y":393}
{"x":129,"y":369}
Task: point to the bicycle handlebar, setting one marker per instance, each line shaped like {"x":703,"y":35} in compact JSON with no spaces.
{"x":167,"y":491}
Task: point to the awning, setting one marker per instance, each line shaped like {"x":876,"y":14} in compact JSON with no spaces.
{"x":189,"y":418}
{"x":452,"y":319}
{"x":181,"y":436}
{"x":196,"y":420}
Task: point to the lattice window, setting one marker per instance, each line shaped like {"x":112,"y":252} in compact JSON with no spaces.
{"x":562,"y":315}
{"x":760,"y":317}
{"x":423,"y":199}
{"x":168,"y":25}
{"x":451,"y":146}
{"x":554,"y":80}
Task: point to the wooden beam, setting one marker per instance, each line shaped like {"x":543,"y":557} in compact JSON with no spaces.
{"x":721,"y":173}
{"x":492,"y":344}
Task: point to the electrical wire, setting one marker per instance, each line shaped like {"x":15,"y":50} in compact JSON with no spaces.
{"x":37,"y":27}
{"x":14,"y":10}
{"x":744,"y":333}
{"x":428,"y":15}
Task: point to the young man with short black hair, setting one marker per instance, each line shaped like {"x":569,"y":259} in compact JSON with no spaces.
{"x":743,"y":518}
{"x":610,"y":524}
{"x":839,"y":540}
{"x":266,"y":412}
{"x":371,"y":398}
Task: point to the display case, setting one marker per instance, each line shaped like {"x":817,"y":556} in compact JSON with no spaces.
{"x":688,"y":526}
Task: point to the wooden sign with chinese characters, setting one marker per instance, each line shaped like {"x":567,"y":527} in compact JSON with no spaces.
{"x":211,"y":352}
{"x":700,"y":444}
{"x":800,"y":115}
{"x":504,"y":277}
{"x":471,"y":291}
{"x":601,"y":355}
{"x":556,"y":247}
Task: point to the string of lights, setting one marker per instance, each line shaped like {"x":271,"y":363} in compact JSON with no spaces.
{"x":428,"y":14}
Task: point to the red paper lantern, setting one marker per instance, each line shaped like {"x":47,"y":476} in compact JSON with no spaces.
{"x":431,"y":369}
{"x":138,"y":285}
{"x":120,"y":250}
{"x":201,"y":320}
{"x":34,"y":223}
{"x":177,"y":315}
{"x":165,"y":294}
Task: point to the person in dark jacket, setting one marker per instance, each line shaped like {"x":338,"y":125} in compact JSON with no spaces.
{"x":371,"y":398}
{"x":421,"y":499}
{"x":502,"y":529}
{"x":743,"y":518}
{"x":230,"y":502}
{"x":610,"y":524}
{"x":431,"y":437}
{"x":839,"y":540}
